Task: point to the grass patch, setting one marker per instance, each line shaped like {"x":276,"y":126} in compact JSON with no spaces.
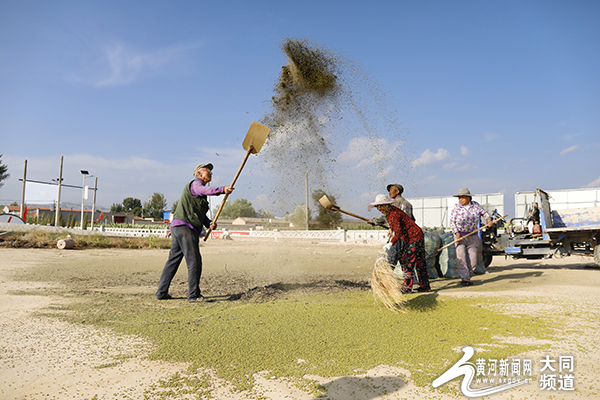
{"x":42,"y":239}
{"x":321,"y":334}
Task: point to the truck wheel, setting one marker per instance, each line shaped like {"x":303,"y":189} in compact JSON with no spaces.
{"x":597,"y":254}
{"x":487,"y":259}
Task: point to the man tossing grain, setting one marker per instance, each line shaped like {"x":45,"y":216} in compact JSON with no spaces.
{"x":187,"y":226}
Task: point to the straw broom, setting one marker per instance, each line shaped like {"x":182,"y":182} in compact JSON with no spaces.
{"x":385,"y":285}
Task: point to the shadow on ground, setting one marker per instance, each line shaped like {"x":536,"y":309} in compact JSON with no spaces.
{"x":553,"y":264}
{"x":423,"y":302}
{"x":278,"y":289}
{"x":356,"y":388}
{"x":480,"y":280}
{"x":229,"y":288}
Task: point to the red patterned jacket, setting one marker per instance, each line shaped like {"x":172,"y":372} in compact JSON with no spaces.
{"x":403,"y":227}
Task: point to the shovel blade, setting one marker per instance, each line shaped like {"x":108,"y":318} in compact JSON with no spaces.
{"x":326,"y":203}
{"x":256,"y":136}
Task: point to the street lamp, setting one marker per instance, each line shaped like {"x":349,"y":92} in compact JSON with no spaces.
{"x":85,"y":174}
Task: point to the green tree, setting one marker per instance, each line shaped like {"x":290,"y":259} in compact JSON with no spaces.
{"x":328,"y":218}
{"x":133,"y":206}
{"x":225,"y":212}
{"x":265,"y":214}
{"x":174,"y":206}
{"x":116,"y":208}
{"x":239,"y":208}
{"x":298,"y":218}
{"x":4,"y":175}
{"x":45,"y":220}
{"x":156,"y":205}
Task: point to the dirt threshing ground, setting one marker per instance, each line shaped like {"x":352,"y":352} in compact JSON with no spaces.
{"x":44,"y":357}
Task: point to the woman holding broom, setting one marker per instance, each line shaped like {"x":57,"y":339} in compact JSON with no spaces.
{"x":406,"y":246}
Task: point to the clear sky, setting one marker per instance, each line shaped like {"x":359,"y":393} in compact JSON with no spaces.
{"x":496,"y":96}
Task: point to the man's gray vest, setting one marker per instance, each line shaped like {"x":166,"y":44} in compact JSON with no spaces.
{"x":191,"y":209}
{"x":405,"y":206}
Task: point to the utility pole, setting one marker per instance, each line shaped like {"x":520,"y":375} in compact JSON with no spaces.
{"x":21,"y":214}
{"x":307,"y":201}
{"x":59,"y":187}
{"x":94,"y":203}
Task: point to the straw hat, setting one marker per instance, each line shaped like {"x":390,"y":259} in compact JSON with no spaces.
{"x":380,"y":200}
{"x":463,"y":192}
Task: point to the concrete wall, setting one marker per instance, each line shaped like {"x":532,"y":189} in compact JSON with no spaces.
{"x":559,"y":200}
{"x":434,"y":212}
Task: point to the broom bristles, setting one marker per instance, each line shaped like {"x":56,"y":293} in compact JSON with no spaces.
{"x":385,"y":285}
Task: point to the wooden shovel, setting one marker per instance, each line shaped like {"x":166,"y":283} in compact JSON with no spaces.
{"x":330,"y":206}
{"x":253,"y":142}
{"x":462,"y":237}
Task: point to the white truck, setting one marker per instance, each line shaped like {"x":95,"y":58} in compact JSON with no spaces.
{"x":546,"y":233}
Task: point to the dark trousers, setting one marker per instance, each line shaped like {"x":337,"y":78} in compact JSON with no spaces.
{"x":412,"y":258}
{"x":184,"y":243}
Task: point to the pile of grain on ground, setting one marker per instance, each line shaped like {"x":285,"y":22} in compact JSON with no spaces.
{"x":60,"y":360}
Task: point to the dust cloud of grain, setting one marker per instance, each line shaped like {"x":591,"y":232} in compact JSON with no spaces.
{"x":331,"y":120}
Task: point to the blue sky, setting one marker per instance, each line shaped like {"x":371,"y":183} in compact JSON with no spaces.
{"x":496,"y":96}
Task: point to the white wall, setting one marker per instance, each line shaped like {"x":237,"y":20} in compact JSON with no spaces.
{"x":434,"y":212}
{"x":559,"y":200}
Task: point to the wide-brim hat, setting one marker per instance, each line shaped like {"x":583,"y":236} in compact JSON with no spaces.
{"x":463,"y":192}
{"x":380,"y":200}
{"x":208,"y":166}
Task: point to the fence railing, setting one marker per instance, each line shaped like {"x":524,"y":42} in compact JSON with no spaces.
{"x":132,"y":232}
{"x":333,"y":236}
{"x":336,"y":236}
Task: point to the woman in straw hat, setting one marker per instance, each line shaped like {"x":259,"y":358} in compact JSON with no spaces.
{"x":406,"y":246}
{"x":395,"y":190}
{"x":464,"y":219}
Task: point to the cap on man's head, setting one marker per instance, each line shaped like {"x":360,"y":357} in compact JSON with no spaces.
{"x":463,"y":192}
{"x":208,"y":166}
{"x":398,"y":186}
